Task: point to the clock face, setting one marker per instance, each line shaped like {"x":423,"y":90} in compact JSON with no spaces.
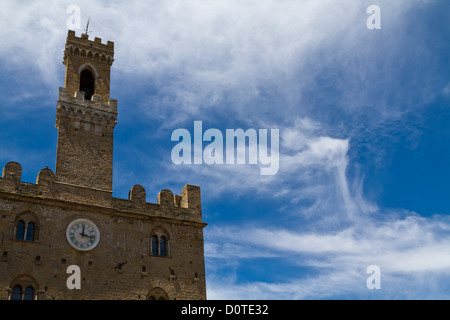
{"x":83,"y":234}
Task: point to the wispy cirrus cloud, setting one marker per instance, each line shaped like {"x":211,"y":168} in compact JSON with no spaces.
{"x":407,"y":249}
{"x":309,"y":68}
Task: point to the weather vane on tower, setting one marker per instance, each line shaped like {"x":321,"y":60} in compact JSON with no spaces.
{"x":87,"y":27}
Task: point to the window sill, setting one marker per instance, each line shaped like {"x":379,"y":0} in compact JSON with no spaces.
{"x":162,"y":257}
{"x":26,"y":241}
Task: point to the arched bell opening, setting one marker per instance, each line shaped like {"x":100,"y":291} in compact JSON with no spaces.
{"x":87,"y":84}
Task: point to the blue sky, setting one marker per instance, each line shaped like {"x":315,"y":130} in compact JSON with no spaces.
{"x":363,"y":118}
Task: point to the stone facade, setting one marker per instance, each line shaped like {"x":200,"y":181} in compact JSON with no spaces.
{"x":146,"y":250}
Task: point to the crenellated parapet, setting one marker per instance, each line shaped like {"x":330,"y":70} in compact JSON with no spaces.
{"x":95,"y":103}
{"x":185,"y":207}
{"x":86,"y":114}
{"x":93,"y":50}
{"x":83,"y":55}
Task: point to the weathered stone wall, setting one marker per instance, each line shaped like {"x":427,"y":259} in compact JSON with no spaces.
{"x":84,"y":154}
{"x":126,"y":228}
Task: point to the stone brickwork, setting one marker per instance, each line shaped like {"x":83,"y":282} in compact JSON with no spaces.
{"x":34,"y":250}
{"x":85,"y":140}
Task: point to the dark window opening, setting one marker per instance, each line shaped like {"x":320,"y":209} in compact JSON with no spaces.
{"x":155,"y":245}
{"x":16,"y":293}
{"x":26,"y":231}
{"x":30,"y":232}
{"x":29,"y":293}
{"x":87,"y":84}
{"x":162,"y":247}
{"x":20,"y":230}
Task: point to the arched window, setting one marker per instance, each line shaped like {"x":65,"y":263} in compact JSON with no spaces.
{"x":30,"y":232}
{"x":162,"y":247}
{"x":27,"y":226}
{"x":87,"y":84}
{"x":20,"y":230}
{"x":155,"y":245}
{"x":157,"y":294}
{"x":29,"y":293}
{"x":24,"y":281}
{"x":160,"y":242}
{"x":16,"y":293}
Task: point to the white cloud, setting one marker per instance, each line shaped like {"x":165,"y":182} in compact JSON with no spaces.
{"x":200,"y":54}
{"x":407,"y":249}
{"x":265,"y":64}
{"x":305,"y":154}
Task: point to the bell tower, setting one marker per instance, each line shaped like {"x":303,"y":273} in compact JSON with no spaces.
{"x":85,"y":115}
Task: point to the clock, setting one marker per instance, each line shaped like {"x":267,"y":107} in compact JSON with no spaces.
{"x":83,"y":234}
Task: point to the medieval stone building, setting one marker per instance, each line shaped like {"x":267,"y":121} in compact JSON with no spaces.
{"x":67,"y":237}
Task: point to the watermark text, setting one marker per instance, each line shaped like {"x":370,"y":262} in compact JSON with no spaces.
{"x":237,"y":151}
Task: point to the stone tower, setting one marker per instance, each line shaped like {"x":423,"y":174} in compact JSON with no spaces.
{"x":86,"y":116}
{"x":123,"y":248}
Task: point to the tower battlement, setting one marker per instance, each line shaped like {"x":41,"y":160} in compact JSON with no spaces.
{"x":79,"y":102}
{"x":186,"y":206}
{"x":88,"y":66}
{"x":85,"y":48}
